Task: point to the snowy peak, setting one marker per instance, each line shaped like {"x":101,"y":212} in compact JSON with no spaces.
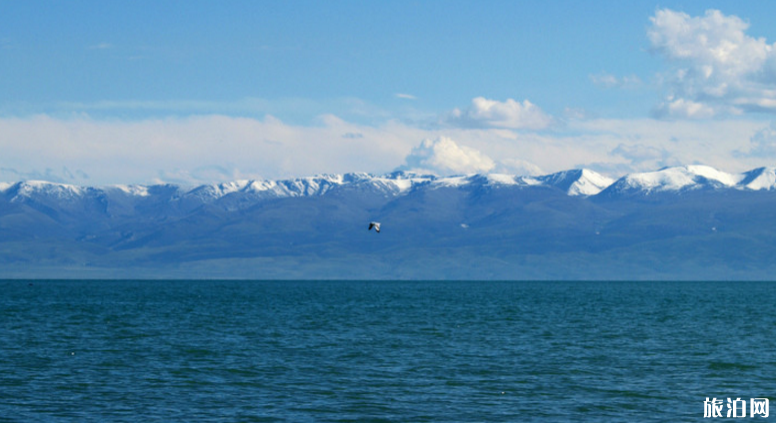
{"x":51,"y":190}
{"x":679,"y":178}
{"x":763,"y":178}
{"x":322,"y":184}
{"x":492,"y":180}
{"x":712,"y":175}
{"x":297,"y":187}
{"x":396,"y":183}
{"x":317,"y":185}
{"x":578,"y":181}
{"x":393,"y":184}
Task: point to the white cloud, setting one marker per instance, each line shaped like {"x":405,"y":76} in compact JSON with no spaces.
{"x":63,"y":175}
{"x":683,"y":108}
{"x":645,"y":156}
{"x":443,"y":156}
{"x":761,"y":145}
{"x":206,"y":149}
{"x":518,"y":167}
{"x":647,"y":144}
{"x":484,"y":113}
{"x":405,"y":96}
{"x":197,"y":149}
{"x":610,"y":81}
{"x":292,"y":108}
{"x":639,"y":152}
{"x":716,"y":67}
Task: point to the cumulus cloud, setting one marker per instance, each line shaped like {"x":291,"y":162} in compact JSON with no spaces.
{"x":443,"y":156}
{"x":717,"y":68}
{"x":485,"y":113}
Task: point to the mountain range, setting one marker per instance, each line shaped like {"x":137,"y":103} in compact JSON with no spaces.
{"x":688,"y":222}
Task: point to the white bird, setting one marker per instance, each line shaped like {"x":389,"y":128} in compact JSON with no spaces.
{"x":375,"y":225}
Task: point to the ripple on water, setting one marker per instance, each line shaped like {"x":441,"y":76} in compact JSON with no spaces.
{"x":126,"y":351}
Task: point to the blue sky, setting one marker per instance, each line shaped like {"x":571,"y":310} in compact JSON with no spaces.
{"x":192,"y":92}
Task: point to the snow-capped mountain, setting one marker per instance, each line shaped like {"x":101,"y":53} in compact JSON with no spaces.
{"x":763,"y":178}
{"x":577,"y":182}
{"x":704,"y":223}
{"x":690,"y":178}
{"x":673,"y":179}
{"x":396,"y":183}
{"x":30,"y":189}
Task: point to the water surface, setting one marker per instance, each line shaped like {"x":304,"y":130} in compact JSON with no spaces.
{"x":355,"y":351}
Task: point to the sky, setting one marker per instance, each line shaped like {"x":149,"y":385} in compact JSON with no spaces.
{"x":192,"y":92}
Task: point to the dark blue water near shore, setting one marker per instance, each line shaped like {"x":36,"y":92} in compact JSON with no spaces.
{"x":212,"y":351}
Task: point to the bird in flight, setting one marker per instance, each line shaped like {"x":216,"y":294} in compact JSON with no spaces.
{"x":375,"y":225}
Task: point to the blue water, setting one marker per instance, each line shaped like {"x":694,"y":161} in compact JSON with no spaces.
{"x":242,"y":351}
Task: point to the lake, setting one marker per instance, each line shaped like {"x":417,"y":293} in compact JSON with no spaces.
{"x":392,"y":351}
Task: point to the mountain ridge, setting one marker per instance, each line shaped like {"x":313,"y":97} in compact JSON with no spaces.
{"x":688,"y":222}
{"x":582,"y":182}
